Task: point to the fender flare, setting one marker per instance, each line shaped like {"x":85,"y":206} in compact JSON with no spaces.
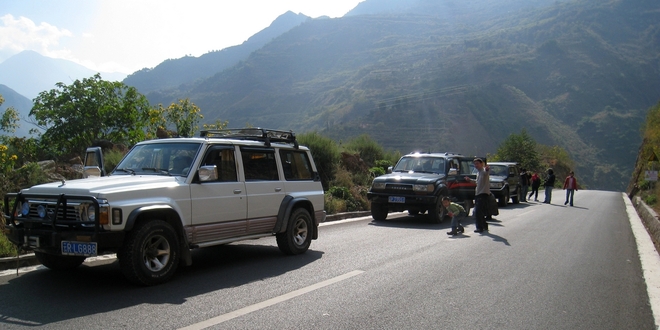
{"x":286,"y":208}
{"x":172,"y":217}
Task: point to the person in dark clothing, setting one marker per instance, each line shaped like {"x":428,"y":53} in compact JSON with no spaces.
{"x":524,"y":183}
{"x":549,"y":184}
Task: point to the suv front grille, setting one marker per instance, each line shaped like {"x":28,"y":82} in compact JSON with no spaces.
{"x":70,"y":214}
{"x":399,"y":187}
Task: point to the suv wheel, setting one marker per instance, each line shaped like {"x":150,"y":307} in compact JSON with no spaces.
{"x":435,"y":211}
{"x":504,"y":198}
{"x":58,"y":262}
{"x":516,"y":198}
{"x":150,"y":254}
{"x":379,"y":211}
{"x":297,"y":237}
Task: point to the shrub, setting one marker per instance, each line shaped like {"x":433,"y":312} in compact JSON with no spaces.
{"x":651,"y":199}
{"x":325,"y":153}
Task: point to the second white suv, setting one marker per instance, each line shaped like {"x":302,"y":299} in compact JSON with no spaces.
{"x":169,"y":196}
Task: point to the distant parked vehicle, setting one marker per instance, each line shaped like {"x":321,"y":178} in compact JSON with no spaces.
{"x":505,"y":182}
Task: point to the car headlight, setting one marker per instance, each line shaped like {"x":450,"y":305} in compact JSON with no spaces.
{"x":91,"y":212}
{"x":25,"y":209}
{"x":378,"y":186}
{"x":423,"y":188}
{"x":41,"y":211}
{"x":496,"y":185}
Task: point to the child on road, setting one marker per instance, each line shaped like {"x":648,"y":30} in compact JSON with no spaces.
{"x":456,"y":212}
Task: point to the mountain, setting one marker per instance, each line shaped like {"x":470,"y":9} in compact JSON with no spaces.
{"x":577,"y":74}
{"x":30,"y":73}
{"x":22,"y":105}
{"x":174,"y":72}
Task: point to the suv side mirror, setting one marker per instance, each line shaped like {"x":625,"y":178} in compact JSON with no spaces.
{"x":389,"y":169}
{"x":208,"y":173}
{"x":453,"y":171}
{"x":93,"y":163}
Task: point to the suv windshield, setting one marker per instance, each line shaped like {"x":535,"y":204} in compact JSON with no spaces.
{"x":420,"y":164}
{"x":499,"y":170}
{"x":159,"y":159}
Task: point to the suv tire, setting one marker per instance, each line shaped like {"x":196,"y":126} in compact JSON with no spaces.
{"x":297,"y":237}
{"x":435,"y":211}
{"x":58,"y":262}
{"x":379,"y":211}
{"x":516,"y":198}
{"x":150,"y":254}
{"x":504,"y":199}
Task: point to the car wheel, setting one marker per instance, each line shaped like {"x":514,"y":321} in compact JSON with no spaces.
{"x":504,"y":198}
{"x":150,"y":254}
{"x":379,"y":211}
{"x":516,"y":198}
{"x":297,"y":237}
{"x":435,"y":211}
{"x":58,"y":262}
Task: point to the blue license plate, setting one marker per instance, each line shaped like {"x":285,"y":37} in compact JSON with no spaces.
{"x":397,"y":199}
{"x":87,"y":249}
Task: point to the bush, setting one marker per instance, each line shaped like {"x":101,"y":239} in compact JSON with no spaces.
{"x":651,"y":199}
{"x":111,"y":158}
{"x":368,"y":149}
{"x":325,"y":153}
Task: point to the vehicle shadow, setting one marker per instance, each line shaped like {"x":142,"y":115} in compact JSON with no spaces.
{"x":420,"y":221}
{"x":96,"y":289}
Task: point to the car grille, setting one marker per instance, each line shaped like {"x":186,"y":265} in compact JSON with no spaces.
{"x":399,"y":187}
{"x":71,"y":212}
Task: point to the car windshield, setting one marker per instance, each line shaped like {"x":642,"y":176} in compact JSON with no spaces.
{"x":158,"y":159}
{"x":420,"y":164}
{"x":499,"y":170}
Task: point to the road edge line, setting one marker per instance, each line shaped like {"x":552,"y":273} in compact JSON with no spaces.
{"x":649,"y":258}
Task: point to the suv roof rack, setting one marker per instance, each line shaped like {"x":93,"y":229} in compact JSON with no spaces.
{"x":253,"y":133}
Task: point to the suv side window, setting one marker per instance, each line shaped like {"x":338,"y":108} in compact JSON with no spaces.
{"x":223,"y":159}
{"x":259,"y":164}
{"x":467,"y":167}
{"x":296,"y":165}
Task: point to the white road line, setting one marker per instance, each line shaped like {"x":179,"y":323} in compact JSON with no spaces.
{"x":270,"y":302}
{"x":649,"y":258}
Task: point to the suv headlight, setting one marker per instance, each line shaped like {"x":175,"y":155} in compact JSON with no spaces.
{"x":423,"y":188}
{"x":497,"y":185}
{"x":378,"y":186}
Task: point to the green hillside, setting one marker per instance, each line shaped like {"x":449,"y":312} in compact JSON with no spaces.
{"x":578,"y":74}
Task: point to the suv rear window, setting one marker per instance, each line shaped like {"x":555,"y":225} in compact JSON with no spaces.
{"x":296,"y":165}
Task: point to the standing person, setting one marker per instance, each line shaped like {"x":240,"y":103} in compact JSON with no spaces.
{"x":524,"y":182}
{"x":549,"y":184}
{"x":481,"y":195}
{"x":570,"y":184}
{"x":456,"y":212}
{"x":536,"y":183}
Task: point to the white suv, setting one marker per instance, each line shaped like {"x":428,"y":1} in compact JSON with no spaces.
{"x":169,"y":196}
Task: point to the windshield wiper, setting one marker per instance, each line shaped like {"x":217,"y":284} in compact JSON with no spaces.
{"x":128,"y":170}
{"x":161,"y":170}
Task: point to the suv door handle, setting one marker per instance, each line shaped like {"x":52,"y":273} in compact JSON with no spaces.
{"x":278,"y":189}
{"x":237,"y":191}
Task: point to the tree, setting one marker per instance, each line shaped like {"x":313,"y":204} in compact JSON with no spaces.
{"x":185,"y":116}
{"x":75,"y":116}
{"x":519,"y":148}
{"x":9,"y":118}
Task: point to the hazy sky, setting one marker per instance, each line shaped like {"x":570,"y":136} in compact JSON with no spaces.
{"x":128,"y":35}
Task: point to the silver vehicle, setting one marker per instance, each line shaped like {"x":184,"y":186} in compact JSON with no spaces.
{"x":169,"y":196}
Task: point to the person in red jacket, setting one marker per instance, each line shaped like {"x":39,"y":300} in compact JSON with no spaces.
{"x":570,"y":184}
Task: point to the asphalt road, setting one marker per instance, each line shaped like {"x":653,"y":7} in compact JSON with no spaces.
{"x":540,"y":267}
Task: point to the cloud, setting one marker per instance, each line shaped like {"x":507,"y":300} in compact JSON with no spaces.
{"x":18,"y":34}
